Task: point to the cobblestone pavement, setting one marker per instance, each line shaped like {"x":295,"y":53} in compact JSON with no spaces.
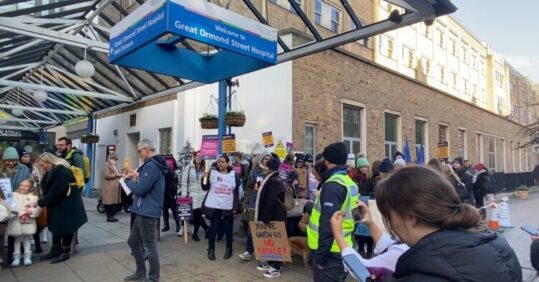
{"x":103,"y":254}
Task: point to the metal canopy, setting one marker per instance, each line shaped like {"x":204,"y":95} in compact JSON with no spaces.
{"x":41,"y":43}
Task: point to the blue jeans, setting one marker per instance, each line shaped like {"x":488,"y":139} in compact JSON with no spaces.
{"x":144,"y":233}
{"x":333,"y":271}
{"x":217,"y":220}
{"x":249,"y":247}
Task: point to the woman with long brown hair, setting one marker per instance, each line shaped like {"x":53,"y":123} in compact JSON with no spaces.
{"x":419,"y":206}
{"x":191,"y":187}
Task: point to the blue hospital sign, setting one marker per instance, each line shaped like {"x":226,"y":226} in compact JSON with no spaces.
{"x":152,"y":30}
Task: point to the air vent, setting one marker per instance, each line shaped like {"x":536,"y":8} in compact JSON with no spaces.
{"x":133,"y":120}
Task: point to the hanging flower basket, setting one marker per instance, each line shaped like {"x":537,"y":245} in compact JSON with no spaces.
{"x":208,"y":121}
{"x":235,"y":119}
{"x":89,"y":139}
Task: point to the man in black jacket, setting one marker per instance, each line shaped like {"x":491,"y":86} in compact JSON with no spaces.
{"x":464,"y":190}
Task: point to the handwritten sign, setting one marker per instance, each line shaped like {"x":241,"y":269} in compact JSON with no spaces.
{"x":184,"y":207}
{"x":270,"y":241}
{"x":209,"y":147}
{"x":229,"y":143}
{"x":267,"y":139}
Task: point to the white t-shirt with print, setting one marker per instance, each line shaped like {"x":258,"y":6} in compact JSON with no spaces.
{"x":221,"y":194}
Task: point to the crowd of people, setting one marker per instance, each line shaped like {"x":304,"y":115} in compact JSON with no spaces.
{"x":431,"y":214}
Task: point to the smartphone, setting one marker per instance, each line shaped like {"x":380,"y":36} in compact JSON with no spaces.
{"x":356,"y":268}
{"x":530,"y":229}
{"x":14,"y":212}
{"x":357,"y":214}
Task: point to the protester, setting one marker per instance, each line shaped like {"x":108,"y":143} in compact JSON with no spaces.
{"x":16,"y":172}
{"x":387,"y":250}
{"x":169,"y":200}
{"x":148,"y":187}
{"x":270,"y":206}
{"x":399,"y":163}
{"x":481,"y":186}
{"x":463,"y":181}
{"x":25,"y":158}
{"x":363,"y":179}
{"x":420,"y":207}
{"x":301,"y":170}
{"x":22,"y":225}
{"x":312,"y":180}
{"x":65,"y":209}
{"x":71,"y":154}
{"x":221,"y":203}
{"x":191,"y":187}
{"x":338,"y":192}
{"x":110,"y":186}
{"x":258,"y":172}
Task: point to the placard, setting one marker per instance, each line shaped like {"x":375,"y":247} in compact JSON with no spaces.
{"x":229,"y":143}
{"x":267,"y":139}
{"x":270,"y":241}
{"x":209,"y":147}
{"x":280,"y":150}
{"x":184,"y":207}
{"x":285,"y":170}
{"x":442,"y":151}
{"x":289,"y":147}
{"x":5,"y":185}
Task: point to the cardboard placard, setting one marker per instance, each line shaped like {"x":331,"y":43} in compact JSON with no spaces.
{"x":270,"y":241}
{"x":229,"y":143}
{"x":184,"y":207}
{"x":5,"y":185}
{"x":267,"y":139}
{"x":442,"y":151}
{"x":209,"y":147}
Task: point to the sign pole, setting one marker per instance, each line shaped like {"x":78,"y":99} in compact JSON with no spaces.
{"x":185,"y":227}
{"x":90,"y":153}
{"x":221,"y":113}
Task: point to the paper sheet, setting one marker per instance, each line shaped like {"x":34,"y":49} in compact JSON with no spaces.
{"x":124,"y":186}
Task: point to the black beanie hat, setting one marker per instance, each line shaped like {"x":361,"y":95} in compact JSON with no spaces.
{"x":460,"y":160}
{"x":386,"y":166}
{"x":274,"y":164}
{"x":336,"y":153}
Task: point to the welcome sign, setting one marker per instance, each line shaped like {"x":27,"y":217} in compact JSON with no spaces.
{"x":154,"y":30}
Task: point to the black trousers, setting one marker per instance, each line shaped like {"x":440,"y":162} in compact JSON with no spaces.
{"x":362,"y":240}
{"x":333,"y":270}
{"x":110,"y":210}
{"x":534,"y":254}
{"x":198,"y":221}
{"x":172,"y":207}
{"x":62,"y":241}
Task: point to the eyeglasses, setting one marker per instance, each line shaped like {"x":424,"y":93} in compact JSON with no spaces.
{"x":140,"y":150}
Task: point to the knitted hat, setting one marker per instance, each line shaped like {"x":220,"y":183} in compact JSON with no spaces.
{"x":386,"y":166}
{"x":23,"y":152}
{"x":10,"y":153}
{"x":460,"y":160}
{"x":479,"y":166}
{"x":336,"y":153}
{"x":400,"y":162}
{"x":361,"y":162}
{"x":274,"y":164}
{"x":308,"y":158}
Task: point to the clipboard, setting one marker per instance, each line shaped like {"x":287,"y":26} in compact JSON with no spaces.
{"x":124,"y":186}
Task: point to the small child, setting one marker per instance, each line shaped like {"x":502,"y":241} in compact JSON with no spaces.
{"x":22,"y":223}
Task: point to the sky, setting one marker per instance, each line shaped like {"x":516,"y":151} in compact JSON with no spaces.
{"x":510,"y":27}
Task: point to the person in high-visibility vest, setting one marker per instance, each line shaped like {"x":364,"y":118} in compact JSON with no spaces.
{"x":338,"y":193}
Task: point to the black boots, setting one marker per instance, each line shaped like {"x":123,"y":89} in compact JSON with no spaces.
{"x":211,"y":254}
{"x":165,"y":228}
{"x":112,"y":219}
{"x":55,"y":251}
{"x":62,"y":257}
{"x":195,"y":237}
{"x":228,"y":254}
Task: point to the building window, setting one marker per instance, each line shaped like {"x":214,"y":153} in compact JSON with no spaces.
{"x":352,"y":128}
{"x":479,"y":147}
{"x":292,"y":8}
{"x":420,"y":136}
{"x":364,"y":41}
{"x":425,"y":63}
{"x":441,"y":76}
{"x":491,"y":153}
{"x":309,"y":138}
{"x":453,"y":46}
{"x":386,"y":46}
{"x":474,"y":60}
{"x":318,"y":12}
{"x":391,"y":134}
{"x":335,"y":19}
{"x":454,"y":79}
{"x":441,"y":38}
{"x":461,"y":144}
{"x":426,"y":31}
{"x":464,"y":54}
{"x":499,"y":79}
{"x":443,"y":133}
{"x":465,"y":86}
{"x":407,"y":57}
{"x":165,"y":141}
{"x":512,"y":87}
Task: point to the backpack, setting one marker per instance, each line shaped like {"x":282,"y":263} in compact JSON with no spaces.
{"x":79,"y":176}
{"x":289,"y":197}
{"x":86,"y":168}
{"x":86,"y":173}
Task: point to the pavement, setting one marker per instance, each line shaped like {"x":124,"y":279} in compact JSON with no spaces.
{"x":103,"y":254}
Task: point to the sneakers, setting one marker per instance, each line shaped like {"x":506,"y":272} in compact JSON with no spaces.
{"x":16,"y":260}
{"x":246,"y":256}
{"x":272,"y":273}
{"x":263,"y":266}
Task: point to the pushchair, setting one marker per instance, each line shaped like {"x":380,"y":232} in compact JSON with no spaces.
{"x":126,"y":203}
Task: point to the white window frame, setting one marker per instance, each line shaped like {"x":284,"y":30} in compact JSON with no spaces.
{"x":425,"y":136}
{"x":398,"y":146}
{"x":159,"y":132}
{"x":464,"y":142}
{"x":479,"y":146}
{"x":316,"y":13}
{"x":363,"y":123}
{"x":313,"y":126}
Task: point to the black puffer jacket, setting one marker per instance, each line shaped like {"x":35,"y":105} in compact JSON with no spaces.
{"x":459,"y":256}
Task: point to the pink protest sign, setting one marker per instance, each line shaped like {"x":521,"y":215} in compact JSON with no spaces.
{"x":285,"y":170}
{"x":209,"y":147}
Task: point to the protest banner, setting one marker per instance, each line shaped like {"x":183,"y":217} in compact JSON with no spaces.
{"x":285,"y":170}
{"x":270,"y":241}
{"x":442,"y":151}
{"x":229,"y":143}
{"x":184,"y":209}
{"x":280,"y":150}
{"x":267,"y":139}
{"x":289,"y":147}
{"x":5,"y":185}
{"x":209,"y":147}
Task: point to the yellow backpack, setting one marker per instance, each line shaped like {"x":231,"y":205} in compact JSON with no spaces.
{"x":79,"y":176}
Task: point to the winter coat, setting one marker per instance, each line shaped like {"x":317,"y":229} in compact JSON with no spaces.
{"x":5,"y":212}
{"x":14,"y":226}
{"x":464,"y":194}
{"x":21,"y":173}
{"x":149,"y":189}
{"x":169,"y":200}
{"x":110,"y":185}
{"x":249,"y":195}
{"x":191,"y":185}
{"x":459,"y":256}
{"x":366,"y":186}
{"x":269,"y":205}
{"x":65,"y":209}
{"x":482,"y":184}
